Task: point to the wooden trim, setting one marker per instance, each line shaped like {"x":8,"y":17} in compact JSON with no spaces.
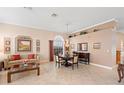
{"x":118,"y":57}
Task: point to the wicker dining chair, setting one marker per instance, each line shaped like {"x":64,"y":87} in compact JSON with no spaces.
{"x":58,"y":61}
{"x":74,"y":61}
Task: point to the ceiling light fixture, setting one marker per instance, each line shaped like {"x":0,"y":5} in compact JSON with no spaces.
{"x":54,"y":15}
{"x":67,"y":41}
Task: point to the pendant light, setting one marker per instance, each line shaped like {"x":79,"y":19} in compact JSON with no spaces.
{"x":67,"y":41}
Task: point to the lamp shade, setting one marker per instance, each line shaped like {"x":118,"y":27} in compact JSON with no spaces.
{"x":66,"y":43}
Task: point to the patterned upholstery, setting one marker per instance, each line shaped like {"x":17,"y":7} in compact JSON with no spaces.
{"x":75,"y":59}
{"x":58,"y":60}
{"x":8,"y":63}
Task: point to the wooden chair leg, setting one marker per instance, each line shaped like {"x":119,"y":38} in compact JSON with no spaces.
{"x":122,"y":73}
{"x":58,"y":65}
{"x":77,"y":65}
{"x":72,"y":66}
{"x":119,"y":74}
{"x":8,"y":77}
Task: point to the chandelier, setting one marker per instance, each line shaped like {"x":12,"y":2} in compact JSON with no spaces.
{"x":67,"y":41}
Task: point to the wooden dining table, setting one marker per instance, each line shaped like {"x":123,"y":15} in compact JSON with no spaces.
{"x":66,"y":58}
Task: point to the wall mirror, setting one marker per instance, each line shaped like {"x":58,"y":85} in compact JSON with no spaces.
{"x":82,"y":46}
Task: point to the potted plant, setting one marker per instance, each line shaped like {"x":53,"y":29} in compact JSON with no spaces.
{"x":82,"y":33}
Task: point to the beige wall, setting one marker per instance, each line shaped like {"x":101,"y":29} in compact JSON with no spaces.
{"x":13,"y":31}
{"x":120,"y":45}
{"x":120,"y":37}
{"x":104,"y":56}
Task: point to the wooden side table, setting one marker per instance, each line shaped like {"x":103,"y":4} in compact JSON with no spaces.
{"x":120,"y":72}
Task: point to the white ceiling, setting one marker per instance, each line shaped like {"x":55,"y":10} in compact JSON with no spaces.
{"x":77,"y":18}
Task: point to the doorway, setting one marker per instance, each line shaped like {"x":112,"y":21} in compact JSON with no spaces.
{"x":58,"y":45}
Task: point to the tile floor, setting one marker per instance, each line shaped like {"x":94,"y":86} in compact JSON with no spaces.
{"x":50,"y":75}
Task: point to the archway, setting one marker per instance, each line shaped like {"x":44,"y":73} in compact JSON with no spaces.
{"x":58,"y":45}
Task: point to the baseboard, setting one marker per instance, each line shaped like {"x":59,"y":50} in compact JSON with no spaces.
{"x":115,"y":66}
{"x":102,"y":66}
{"x":44,"y":60}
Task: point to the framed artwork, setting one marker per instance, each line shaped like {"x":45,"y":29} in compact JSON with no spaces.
{"x":82,"y":47}
{"x":24,"y":45}
{"x":96,"y":45}
{"x":7,"y":42}
{"x":37,"y":42}
{"x":37,"y":45}
{"x":38,"y":49}
{"x":7,"y":49}
{"x":7,"y":45}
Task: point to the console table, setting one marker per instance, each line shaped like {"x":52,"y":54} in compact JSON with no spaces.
{"x":120,"y":72}
{"x":85,"y":57}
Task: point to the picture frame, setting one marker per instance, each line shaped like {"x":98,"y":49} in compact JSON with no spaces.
{"x":7,"y":42}
{"x":24,"y":45}
{"x":7,"y":45}
{"x":38,"y":49}
{"x":37,"y":42}
{"x":96,"y":45}
{"x":7,"y":49}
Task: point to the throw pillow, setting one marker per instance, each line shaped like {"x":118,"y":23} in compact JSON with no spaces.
{"x":16,"y":57}
{"x":31,"y":56}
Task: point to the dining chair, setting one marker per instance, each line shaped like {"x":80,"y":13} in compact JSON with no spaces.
{"x":58,"y":61}
{"x":74,"y":61}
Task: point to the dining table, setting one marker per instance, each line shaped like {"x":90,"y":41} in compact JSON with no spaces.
{"x":66,"y":59}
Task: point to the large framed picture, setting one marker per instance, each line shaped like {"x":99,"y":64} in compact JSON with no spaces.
{"x":23,"y":44}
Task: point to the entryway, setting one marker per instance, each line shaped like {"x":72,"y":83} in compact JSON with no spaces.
{"x":56,"y":46}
